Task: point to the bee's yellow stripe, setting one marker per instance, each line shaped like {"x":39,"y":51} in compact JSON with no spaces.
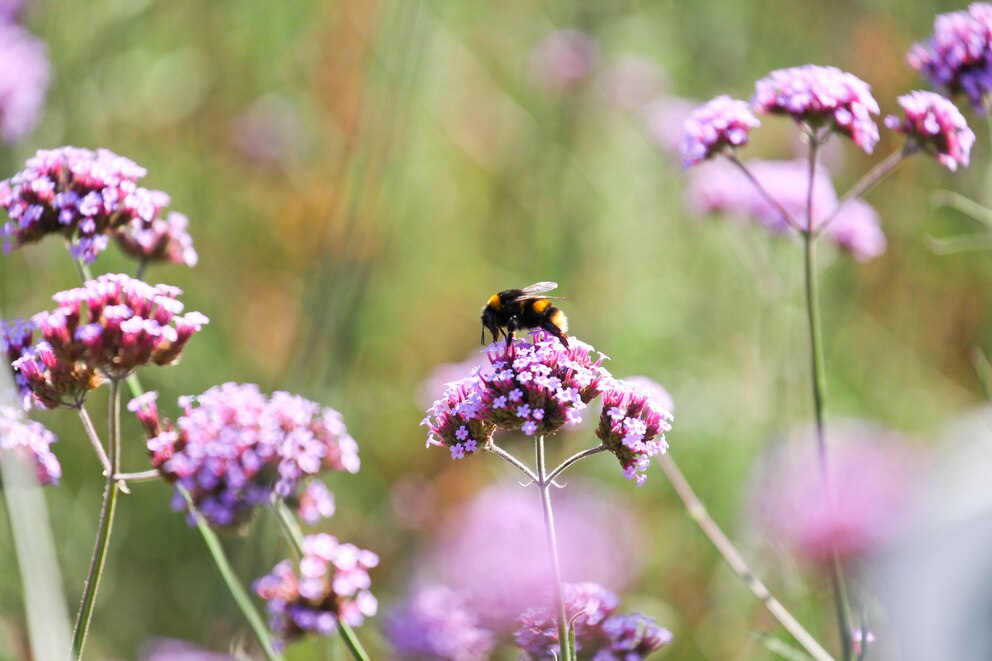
{"x":495,"y":303}
{"x":540,"y":305}
{"x":559,"y":320}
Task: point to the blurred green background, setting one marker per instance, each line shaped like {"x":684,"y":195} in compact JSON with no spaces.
{"x":361,"y":175}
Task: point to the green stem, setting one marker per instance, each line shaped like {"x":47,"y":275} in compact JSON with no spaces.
{"x":295,"y":536}
{"x":544,"y":484}
{"x":819,"y":395}
{"x":95,"y":440}
{"x":107,"y":511}
{"x":230,"y":579}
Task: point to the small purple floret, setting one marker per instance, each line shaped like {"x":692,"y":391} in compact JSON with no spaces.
{"x":722,"y":123}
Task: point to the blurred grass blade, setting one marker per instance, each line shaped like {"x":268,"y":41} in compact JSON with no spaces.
{"x":782,"y":649}
{"x":958,"y":244}
{"x":958,"y":202}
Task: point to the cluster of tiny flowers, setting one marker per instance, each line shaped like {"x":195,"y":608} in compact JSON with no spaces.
{"x":31,"y":441}
{"x":115,"y":324}
{"x":84,"y":196}
{"x":958,"y":56}
{"x":537,"y":386}
{"x":632,"y":427}
{"x":599,"y":634}
{"x":720,"y":187}
{"x":159,"y":240}
{"x":821,"y":96}
{"x":438,"y":623}
{"x":332,"y":586}
{"x":316,"y":503}
{"x":458,"y":419}
{"x":718,"y":124}
{"x":936,"y":125}
{"x":234,"y":447}
{"x":24,"y":77}
{"x":15,"y":338}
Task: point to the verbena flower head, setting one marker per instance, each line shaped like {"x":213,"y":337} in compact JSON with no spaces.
{"x":234,"y":446}
{"x":599,"y":634}
{"x":115,"y":324}
{"x":79,"y":194}
{"x":458,"y":420}
{"x":937,"y":126}
{"x":332,"y":585}
{"x":500,"y":532}
{"x":16,"y":337}
{"x":632,"y":426}
{"x":821,"y":97}
{"x":24,"y":77}
{"x":720,"y":124}
{"x":439,"y":623}
{"x":565,"y":59}
{"x":958,"y":56}
{"x":871,"y":472}
{"x":159,"y":240}
{"x":538,"y":385}
{"x":30,"y":441}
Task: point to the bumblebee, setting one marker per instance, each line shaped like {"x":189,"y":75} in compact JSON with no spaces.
{"x":513,"y":309}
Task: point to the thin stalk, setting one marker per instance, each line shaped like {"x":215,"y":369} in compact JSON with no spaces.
{"x":881,"y":170}
{"x":544,"y":484}
{"x":295,"y":536}
{"x":230,"y":579}
{"x":697,"y":512}
{"x":789,"y":218}
{"x":99,"y":558}
{"x":95,"y":440}
{"x":574,"y":458}
{"x":819,"y":383}
{"x":140,"y":476}
{"x":500,"y":452}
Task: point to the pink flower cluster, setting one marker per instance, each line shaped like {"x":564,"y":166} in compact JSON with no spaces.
{"x":88,"y":197}
{"x":159,"y":240}
{"x":16,"y":336}
{"x":936,"y":125}
{"x":458,"y":419}
{"x":722,"y":123}
{"x":234,"y":447}
{"x":821,"y":97}
{"x":30,"y":441}
{"x":632,"y":426}
{"x":958,"y":56}
{"x":332,"y":585}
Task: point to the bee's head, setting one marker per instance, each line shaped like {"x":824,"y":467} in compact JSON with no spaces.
{"x":489,"y":321}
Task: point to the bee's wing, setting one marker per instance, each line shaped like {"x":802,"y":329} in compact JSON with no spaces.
{"x":538,"y":288}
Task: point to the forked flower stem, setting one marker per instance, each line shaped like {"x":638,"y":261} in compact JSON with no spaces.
{"x":574,"y":458}
{"x":544,"y":485}
{"x":819,"y":382}
{"x":107,"y":510}
{"x":771,"y":199}
{"x":95,"y":440}
{"x":881,"y":170}
{"x":292,"y":532}
{"x":697,"y":512}
{"x":503,"y":454}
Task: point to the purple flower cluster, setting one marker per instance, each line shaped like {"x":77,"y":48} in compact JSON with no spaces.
{"x":958,"y":56}
{"x":600,"y":635}
{"x":722,"y":123}
{"x":24,"y":77}
{"x":632,"y":426}
{"x":439,"y":623}
{"x":159,"y":240}
{"x":112,"y":324}
{"x":31,"y":441}
{"x":88,"y":197}
{"x":458,"y":419}
{"x":332,"y":586}
{"x":936,"y":125}
{"x":821,"y":97}
{"x":234,"y":447}
{"x":721,"y":188}
{"x":16,"y":336}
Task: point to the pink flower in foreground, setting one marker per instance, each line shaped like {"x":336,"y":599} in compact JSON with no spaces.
{"x":871,"y":474}
{"x":937,"y":126}
{"x":632,"y":426}
{"x":821,"y":97}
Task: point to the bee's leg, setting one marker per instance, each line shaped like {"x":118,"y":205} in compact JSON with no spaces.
{"x":554,"y":330}
{"x":511,"y":327}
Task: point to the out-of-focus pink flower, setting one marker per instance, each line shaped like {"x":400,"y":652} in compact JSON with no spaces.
{"x":446,"y":373}
{"x":936,"y":125}
{"x":10,"y":10}
{"x":664,"y":118}
{"x":169,"y":649}
{"x":858,"y":230}
{"x":501,"y":534}
{"x":657,"y":391}
{"x":871,"y":473}
{"x":718,"y":125}
{"x":565,"y":59}
{"x":24,"y":78}
{"x":31,"y":441}
{"x":629,"y":82}
{"x":439,"y":624}
{"x":268,"y":130}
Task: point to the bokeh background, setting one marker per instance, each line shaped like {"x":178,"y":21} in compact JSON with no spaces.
{"x":361,"y":175}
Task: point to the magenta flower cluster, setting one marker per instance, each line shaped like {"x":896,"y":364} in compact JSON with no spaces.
{"x":632,"y":426}
{"x":16,"y":337}
{"x":439,"y":623}
{"x":332,"y":585}
{"x":722,"y":123}
{"x":936,"y":125}
{"x":821,"y":97}
{"x":88,"y":197}
{"x":31,"y":441}
{"x":958,"y":56}
{"x":235,"y":446}
{"x":600,"y":634}
{"x":535,"y":386}
{"x":159,"y":240}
